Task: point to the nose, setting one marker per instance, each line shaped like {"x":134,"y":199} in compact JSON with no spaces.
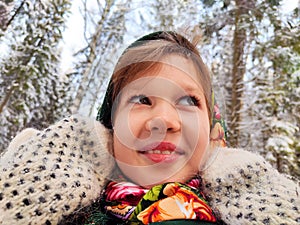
{"x":163,"y":118}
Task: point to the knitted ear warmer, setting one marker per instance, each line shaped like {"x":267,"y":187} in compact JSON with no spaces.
{"x":55,"y":173}
{"x":242,"y":188}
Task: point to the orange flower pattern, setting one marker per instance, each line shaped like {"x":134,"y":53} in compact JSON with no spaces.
{"x":169,"y":202}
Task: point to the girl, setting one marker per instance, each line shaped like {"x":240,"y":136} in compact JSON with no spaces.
{"x":169,"y":163}
{"x":159,"y":106}
{"x":160,"y":110}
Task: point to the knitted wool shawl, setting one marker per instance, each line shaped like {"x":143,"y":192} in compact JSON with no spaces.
{"x":49,"y":175}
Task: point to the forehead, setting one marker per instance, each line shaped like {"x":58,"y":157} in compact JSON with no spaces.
{"x":177,"y":62}
{"x":175,"y":68}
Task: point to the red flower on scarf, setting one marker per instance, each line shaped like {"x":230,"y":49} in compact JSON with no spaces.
{"x":124,"y":192}
{"x":194,"y":183}
{"x":217,"y":112}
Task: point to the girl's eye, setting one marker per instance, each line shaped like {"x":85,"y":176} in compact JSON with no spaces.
{"x":140,"y":99}
{"x":188,"y":101}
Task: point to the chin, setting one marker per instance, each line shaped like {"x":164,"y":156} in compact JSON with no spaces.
{"x":151,"y":175}
{"x":149,"y":182}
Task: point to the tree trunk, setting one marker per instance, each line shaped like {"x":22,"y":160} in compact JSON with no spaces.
{"x":84,"y":84}
{"x":238,"y":69}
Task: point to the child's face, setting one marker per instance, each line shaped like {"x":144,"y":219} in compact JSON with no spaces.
{"x":161,"y":125}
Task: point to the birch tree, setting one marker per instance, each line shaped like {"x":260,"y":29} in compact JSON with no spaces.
{"x":99,"y":54}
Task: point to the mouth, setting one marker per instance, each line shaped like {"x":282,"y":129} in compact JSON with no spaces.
{"x":161,"y":152}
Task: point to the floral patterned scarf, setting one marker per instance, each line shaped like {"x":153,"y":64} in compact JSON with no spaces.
{"x":173,"y":201}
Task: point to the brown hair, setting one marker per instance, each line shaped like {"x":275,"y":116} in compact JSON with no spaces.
{"x":146,"y":54}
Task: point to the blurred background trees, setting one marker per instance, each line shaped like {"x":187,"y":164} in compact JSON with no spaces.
{"x":33,"y":93}
{"x":252,"y":48}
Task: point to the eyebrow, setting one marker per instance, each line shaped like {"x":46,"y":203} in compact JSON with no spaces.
{"x":186,"y":87}
{"x":190,"y":88}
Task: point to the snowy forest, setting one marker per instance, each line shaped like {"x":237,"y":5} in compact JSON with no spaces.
{"x":252,"y":48}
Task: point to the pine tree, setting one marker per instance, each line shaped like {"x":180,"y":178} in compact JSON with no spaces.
{"x":32,"y":92}
{"x":279,"y":96}
{"x":265,"y":50}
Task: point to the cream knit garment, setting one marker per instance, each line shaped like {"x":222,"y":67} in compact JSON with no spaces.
{"x":58,"y":171}
{"x":242,"y":188}
{"x":55,"y":172}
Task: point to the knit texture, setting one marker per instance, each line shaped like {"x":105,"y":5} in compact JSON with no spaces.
{"x":244,"y":189}
{"x":54,"y":172}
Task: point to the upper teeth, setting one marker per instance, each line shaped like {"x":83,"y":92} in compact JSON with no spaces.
{"x":155,"y":151}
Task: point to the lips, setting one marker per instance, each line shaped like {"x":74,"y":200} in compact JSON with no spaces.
{"x":161,"y":152}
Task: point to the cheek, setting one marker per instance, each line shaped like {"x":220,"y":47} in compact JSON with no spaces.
{"x":203,"y":144}
{"x":124,"y":131}
{"x":136,"y":123}
{"x":119,"y":149}
{"x":127,"y":134}
{"x":128,"y":124}
{"x":196,"y":131}
{"x":195,"y":127}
